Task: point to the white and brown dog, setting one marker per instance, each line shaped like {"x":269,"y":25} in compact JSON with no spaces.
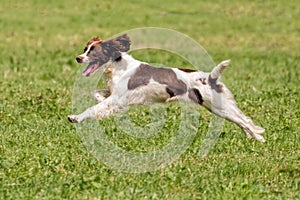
{"x":132,"y":82}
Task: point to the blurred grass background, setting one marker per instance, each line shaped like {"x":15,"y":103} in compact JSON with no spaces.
{"x":41,"y":155}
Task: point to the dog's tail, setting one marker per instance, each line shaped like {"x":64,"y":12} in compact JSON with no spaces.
{"x":217,"y":71}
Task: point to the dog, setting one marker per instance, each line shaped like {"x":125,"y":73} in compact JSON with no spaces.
{"x":132,"y":82}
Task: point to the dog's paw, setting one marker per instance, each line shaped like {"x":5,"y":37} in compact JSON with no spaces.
{"x":175,"y":98}
{"x":255,"y":133}
{"x":72,"y":119}
{"x":259,"y":138}
{"x":259,"y":130}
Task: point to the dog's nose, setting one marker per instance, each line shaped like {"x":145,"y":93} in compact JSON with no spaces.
{"x":79,"y":59}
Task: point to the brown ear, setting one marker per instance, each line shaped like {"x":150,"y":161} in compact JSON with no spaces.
{"x":121,"y":43}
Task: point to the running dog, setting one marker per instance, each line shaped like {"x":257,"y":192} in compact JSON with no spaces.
{"x":132,"y":82}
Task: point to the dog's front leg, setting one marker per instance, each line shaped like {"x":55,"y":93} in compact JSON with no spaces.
{"x":100,"y":95}
{"x":99,"y":111}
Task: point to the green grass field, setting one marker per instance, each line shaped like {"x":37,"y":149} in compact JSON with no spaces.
{"x":43,"y":157}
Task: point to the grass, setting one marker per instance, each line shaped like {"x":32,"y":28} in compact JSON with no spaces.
{"x":43,"y":157}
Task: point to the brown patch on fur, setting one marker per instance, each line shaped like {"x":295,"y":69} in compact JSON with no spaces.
{"x":213,"y":84}
{"x":203,"y":80}
{"x":104,"y":93}
{"x":188,"y":70}
{"x":164,"y":76}
{"x":195,"y":95}
{"x":94,"y":39}
{"x":170,"y":92}
{"x":115,"y":46}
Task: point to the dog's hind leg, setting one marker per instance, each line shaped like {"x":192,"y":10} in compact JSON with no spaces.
{"x":223,"y":104}
{"x":231,"y":112}
{"x":246,"y":124}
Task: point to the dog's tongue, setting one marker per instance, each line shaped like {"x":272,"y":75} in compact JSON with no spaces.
{"x":87,"y":71}
{"x":90,"y":69}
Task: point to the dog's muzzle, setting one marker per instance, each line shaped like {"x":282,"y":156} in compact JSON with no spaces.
{"x":79,"y":59}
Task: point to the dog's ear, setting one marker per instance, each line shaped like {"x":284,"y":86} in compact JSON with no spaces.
{"x":115,"y":46}
{"x":116,"y":56}
{"x":123,"y":42}
{"x":120,"y":43}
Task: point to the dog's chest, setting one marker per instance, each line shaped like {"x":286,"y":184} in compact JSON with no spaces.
{"x":107,"y":76}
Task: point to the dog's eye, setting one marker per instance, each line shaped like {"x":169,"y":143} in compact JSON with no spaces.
{"x":92,"y":48}
{"x":84,"y":50}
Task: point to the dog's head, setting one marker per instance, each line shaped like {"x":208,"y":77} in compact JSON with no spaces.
{"x":98,"y":52}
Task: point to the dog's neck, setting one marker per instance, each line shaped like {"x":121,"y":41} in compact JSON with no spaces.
{"x":113,"y":70}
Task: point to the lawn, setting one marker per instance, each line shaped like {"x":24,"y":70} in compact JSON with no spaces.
{"x":43,"y":156}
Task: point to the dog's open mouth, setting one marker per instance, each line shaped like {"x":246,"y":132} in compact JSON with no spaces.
{"x":91,"y":69}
